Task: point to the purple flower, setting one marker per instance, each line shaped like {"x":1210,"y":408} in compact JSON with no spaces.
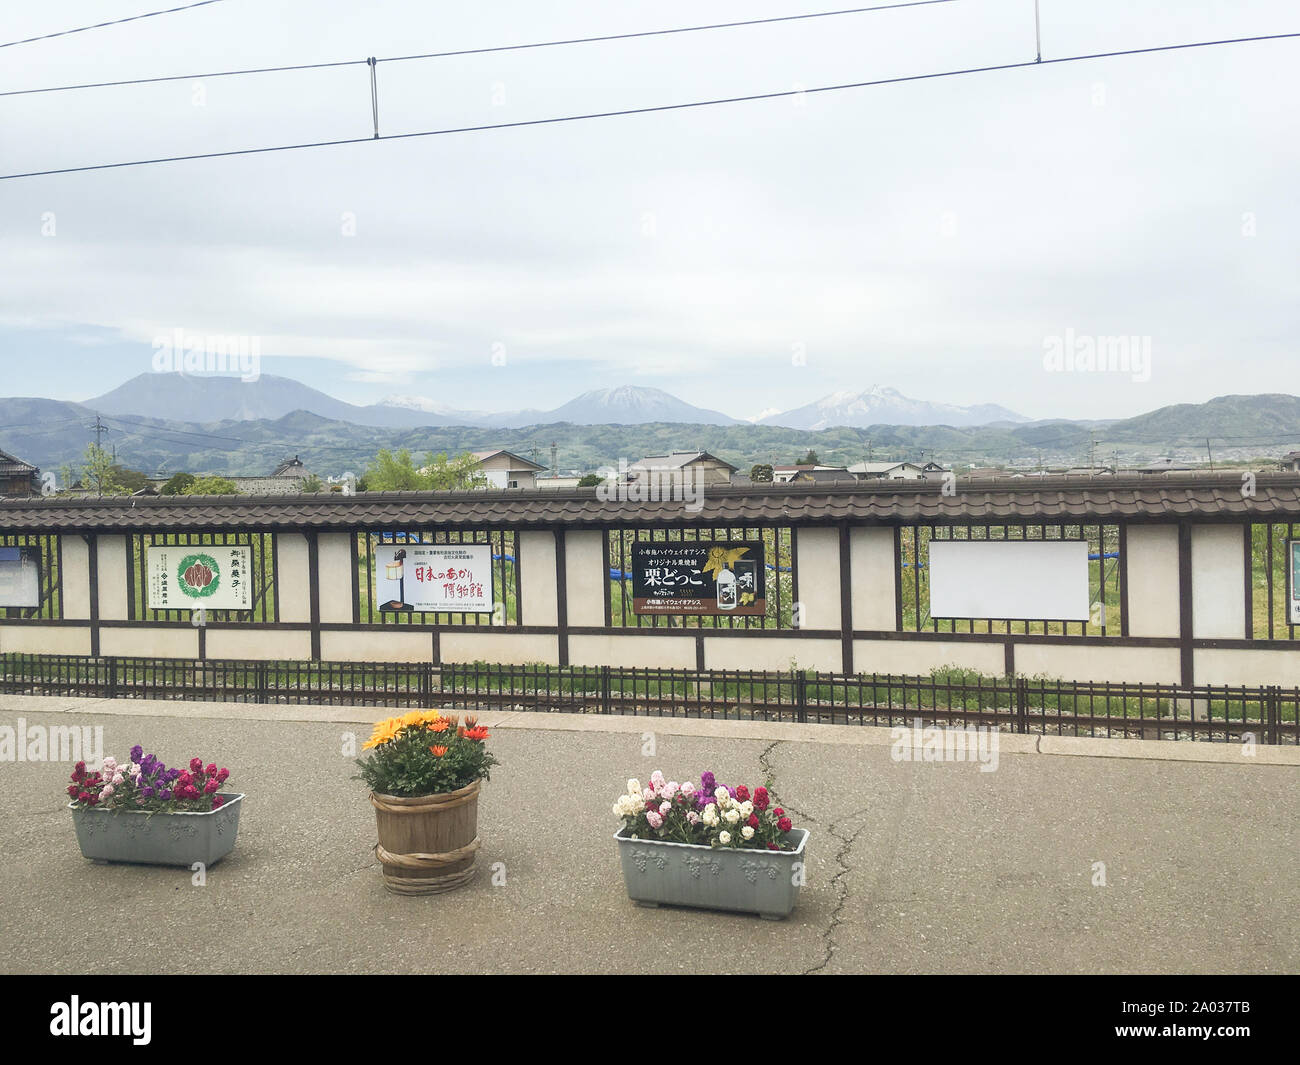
{"x":147,"y":792}
{"x":165,"y":794}
{"x":137,"y":753}
{"x":708,"y":782}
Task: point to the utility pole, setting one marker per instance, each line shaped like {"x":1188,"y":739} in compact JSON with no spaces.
{"x":1209,"y":454}
{"x":100,"y":429}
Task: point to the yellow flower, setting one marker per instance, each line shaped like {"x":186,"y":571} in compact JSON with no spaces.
{"x":385,"y":732}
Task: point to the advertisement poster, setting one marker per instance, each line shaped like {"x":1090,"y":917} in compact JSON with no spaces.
{"x":211,"y":577}
{"x":698,"y":578}
{"x":434,"y":578}
{"x":20,"y":576}
{"x":1293,"y":552}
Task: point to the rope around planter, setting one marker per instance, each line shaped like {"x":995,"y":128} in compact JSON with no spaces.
{"x":425,"y":803}
{"x":426,"y":885}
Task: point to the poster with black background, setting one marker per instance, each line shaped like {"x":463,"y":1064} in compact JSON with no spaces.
{"x":699,"y":578}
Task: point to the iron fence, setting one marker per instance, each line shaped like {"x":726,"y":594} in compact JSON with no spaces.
{"x":1264,"y":715}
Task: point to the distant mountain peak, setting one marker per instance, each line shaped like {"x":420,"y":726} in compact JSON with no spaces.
{"x":882,"y":405}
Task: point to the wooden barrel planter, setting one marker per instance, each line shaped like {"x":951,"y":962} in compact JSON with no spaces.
{"x":429,"y":843}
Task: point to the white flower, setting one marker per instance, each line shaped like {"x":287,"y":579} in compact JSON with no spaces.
{"x":723,"y":796}
{"x":634,"y":787}
{"x":618,"y":808}
{"x":746,"y":808}
{"x":724,"y":838}
{"x":747,"y":832}
{"x":732,"y":817}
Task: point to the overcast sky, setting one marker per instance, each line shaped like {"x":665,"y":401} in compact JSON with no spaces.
{"x":932,"y":236}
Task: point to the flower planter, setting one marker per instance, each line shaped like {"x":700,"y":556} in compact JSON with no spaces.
{"x":429,"y":843}
{"x":158,"y":838}
{"x":741,"y":880}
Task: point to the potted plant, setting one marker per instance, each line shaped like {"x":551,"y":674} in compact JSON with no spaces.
{"x":424,"y":772}
{"x":142,"y":811}
{"x":708,"y":845}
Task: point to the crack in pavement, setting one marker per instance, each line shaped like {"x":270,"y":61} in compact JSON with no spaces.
{"x":839,"y":881}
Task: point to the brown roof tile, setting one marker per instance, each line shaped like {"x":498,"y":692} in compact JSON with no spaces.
{"x":1008,"y":500}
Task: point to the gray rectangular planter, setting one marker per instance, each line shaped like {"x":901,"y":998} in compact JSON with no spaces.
{"x":157,"y":838}
{"x":724,"y":878}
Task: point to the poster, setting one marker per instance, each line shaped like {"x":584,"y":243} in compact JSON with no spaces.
{"x":207,"y":576}
{"x":434,"y":578}
{"x":20,"y":576}
{"x":699,"y":578}
{"x":1293,"y":581}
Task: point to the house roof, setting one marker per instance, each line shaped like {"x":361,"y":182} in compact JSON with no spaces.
{"x":1053,"y":499}
{"x":676,"y":461}
{"x":880,"y":467}
{"x":483,"y":456}
{"x":291,"y":468}
{"x":12,"y":466}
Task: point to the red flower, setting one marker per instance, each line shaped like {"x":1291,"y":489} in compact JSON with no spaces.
{"x":211,"y":768}
{"x":196,"y":765}
{"x":218,"y":802}
{"x":476,"y":734}
{"x":761,"y":800}
{"x":785,"y":824}
{"x":742,"y":793}
{"x":779,"y":812}
{"x":771,"y":846}
{"x":73,"y":790}
{"x":210,"y":787}
{"x":753,"y":820}
{"x":222,"y":775}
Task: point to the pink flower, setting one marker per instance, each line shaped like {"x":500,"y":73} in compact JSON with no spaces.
{"x":655,"y":820}
{"x":688,"y":789}
{"x":664,"y":808}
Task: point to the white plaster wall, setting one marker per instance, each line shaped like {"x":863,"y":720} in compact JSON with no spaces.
{"x":585,"y":577}
{"x":1218,"y":582}
{"x":1152,"y":571}
{"x":334,"y":552}
{"x":818,"y":562}
{"x":537,"y":578}
{"x":293,"y":579}
{"x":871,"y":563}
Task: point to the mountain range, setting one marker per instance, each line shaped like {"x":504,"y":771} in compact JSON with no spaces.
{"x":203,"y":425}
{"x":190,"y":398}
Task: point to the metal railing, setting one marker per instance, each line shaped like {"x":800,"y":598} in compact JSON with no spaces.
{"x":1264,"y":715}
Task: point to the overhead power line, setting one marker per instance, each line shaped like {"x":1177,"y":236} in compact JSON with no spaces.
{"x":111,"y":22}
{"x":479,"y":51}
{"x":654,"y":109}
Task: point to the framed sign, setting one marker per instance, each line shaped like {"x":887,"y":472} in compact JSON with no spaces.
{"x":434,"y":578}
{"x":1293,"y":581}
{"x":208,"y":576}
{"x":1035,"y":580}
{"x":699,"y":578}
{"x":20,"y":576}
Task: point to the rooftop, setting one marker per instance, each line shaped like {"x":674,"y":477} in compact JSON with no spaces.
{"x":1134,"y":497}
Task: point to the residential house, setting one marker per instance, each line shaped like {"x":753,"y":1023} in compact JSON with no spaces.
{"x":888,"y":471}
{"x":823,"y":475}
{"x":1163,"y":465}
{"x":18,"y":478}
{"x":782,"y":474}
{"x":557,"y":482}
{"x":680,"y":465}
{"x":505,"y":469}
{"x":1290,"y":462}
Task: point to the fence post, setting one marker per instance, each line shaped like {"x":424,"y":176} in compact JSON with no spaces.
{"x":606,"y":691}
{"x":112,"y":678}
{"x":1273,"y":714}
{"x":1022,"y":706}
{"x":262,"y":682}
{"x":801,"y":697}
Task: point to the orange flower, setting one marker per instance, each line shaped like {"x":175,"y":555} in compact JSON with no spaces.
{"x":438,"y":752}
{"x":439,"y":726}
{"x":471,"y":721}
{"x":476,"y":734}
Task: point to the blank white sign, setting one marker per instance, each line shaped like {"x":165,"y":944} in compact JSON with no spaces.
{"x":1015,"y":580}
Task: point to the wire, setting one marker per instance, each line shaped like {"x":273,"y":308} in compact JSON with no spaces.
{"x":114,"y":22}
{"x":475,"y":51}
{"x":660,"y":108}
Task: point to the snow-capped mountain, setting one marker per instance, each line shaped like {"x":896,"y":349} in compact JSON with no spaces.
{"x":885,"y":406}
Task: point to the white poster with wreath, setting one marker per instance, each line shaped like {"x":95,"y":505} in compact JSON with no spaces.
{"x":211,"y":577}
